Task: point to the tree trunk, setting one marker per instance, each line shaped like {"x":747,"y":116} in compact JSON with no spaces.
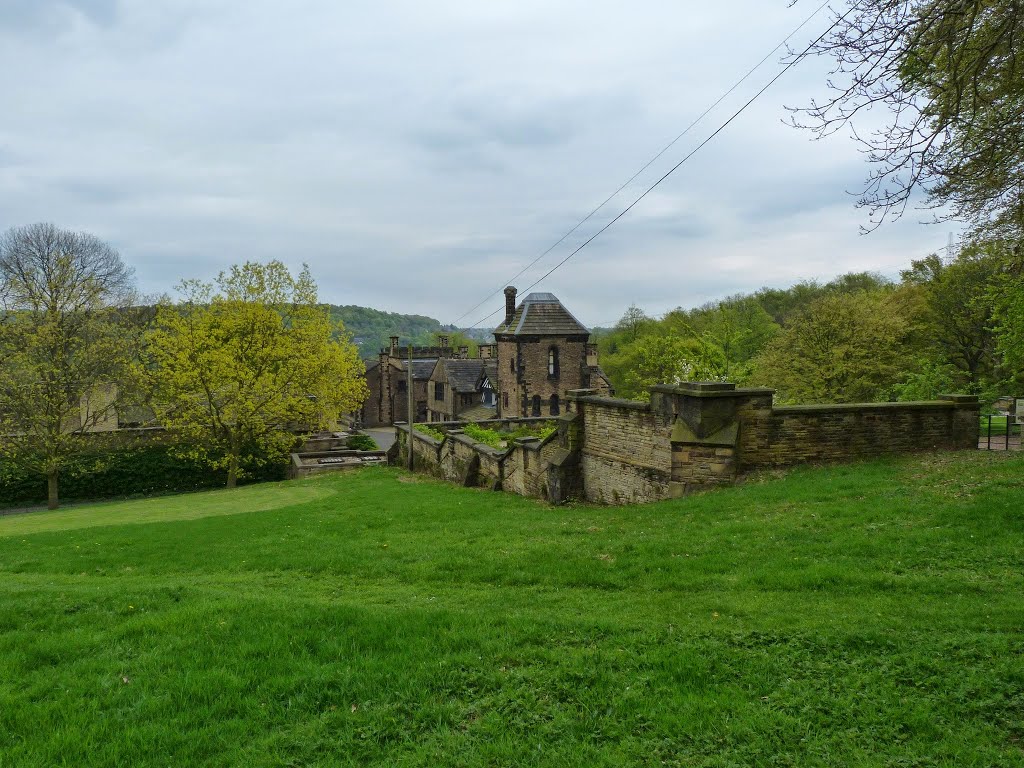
{"x":51,"y":489}
{"x":233,"y":468}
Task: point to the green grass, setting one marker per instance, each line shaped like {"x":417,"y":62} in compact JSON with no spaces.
{"x":857,"y":615}
{"x":998,"y":427}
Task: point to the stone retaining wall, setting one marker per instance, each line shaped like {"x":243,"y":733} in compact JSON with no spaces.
{"x":689,"y":437}
{"x":528,"y":467}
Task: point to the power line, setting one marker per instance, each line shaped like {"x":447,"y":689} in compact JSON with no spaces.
{"x":647,"y":165}
{"x":695,"y":150}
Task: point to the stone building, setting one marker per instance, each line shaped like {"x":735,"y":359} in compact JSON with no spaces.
{"x":387,"y":379}
{"x":543,"y":352}
{"x":456,"y":391}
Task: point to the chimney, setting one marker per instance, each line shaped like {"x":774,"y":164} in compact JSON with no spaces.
{"x":394,"y":346}
{"x":464,"y":352}
{"x":444,"y":341}
{"x":510,"y":304}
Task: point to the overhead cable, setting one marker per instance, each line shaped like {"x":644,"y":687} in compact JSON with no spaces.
{"x":789,"y":65}
{"x":647,"y":165}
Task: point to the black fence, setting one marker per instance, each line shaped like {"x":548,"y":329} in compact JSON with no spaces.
{"x":999,"y":433}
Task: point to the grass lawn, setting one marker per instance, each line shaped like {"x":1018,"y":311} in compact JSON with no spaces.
{"x":850,"y":616}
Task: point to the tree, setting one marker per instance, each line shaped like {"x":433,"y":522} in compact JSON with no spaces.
{"x":738,"y":326}
{"x":240,"y":362}
{"x":65,"y":344}
{"x":662,"y":359}
{"x":958,"y":323}
{"x":951,"y":76}
{"x":843,"y":348}
{"x":633,"y":323}
{"x":1006,"y":296}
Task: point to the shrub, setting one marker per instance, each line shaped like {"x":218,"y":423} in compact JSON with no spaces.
{"x":118,"y":472}
{"x":485,"y":436}
{"x":428,"y":431}
{"x":531,"y":430}
{"x":362,"y":443}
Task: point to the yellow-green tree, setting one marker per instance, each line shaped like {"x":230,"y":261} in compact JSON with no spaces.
{"x":241,"y":362}
{"x":68,"y":332}
{"x":842,"y":348}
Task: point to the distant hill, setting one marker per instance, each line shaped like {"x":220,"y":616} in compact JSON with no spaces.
{"x":370,"y":328}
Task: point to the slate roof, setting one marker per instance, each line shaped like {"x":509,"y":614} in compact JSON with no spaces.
{"x":421,"y":369}
{"x":542,"y":314}
{"x":491,"y":371}
{"x":462,"y":375}
{"x":478,"y":413}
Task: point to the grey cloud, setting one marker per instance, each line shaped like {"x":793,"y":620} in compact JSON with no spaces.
{"x":414,"y":153}
{"x":42,"y":14}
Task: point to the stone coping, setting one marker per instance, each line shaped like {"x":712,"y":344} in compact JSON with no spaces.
{"x":528,"y":443}
{"x":614,"y":402}
{"x":711,"y":389}
{"x":925,"y":405}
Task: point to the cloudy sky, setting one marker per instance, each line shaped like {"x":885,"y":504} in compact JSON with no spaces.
{"x":418,"y":155}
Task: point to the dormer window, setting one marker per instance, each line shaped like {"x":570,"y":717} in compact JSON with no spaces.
{"x":553,"y":363}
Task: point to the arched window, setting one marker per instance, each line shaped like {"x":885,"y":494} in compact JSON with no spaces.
{"x":536,"y":405}
{"x":553,"y":363}
{"x":554,"y":405}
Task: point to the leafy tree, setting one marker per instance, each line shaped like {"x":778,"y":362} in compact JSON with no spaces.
{"x":783,"y":303}
{"x":952,"y":77}
{"x":240,"y":362}
{"x":1007,"y":298}
{"x":66,"y":342}
{"x":662,"y":359}
{"x":633,"y":323}
{"x":457,"y":338}
{"x":737,"y":326}
{"x":371,"y":329}
{"x":958,"y":325}
{"x":843,"y":348}
{"x":928,"y":381}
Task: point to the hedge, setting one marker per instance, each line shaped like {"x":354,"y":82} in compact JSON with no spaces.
{"x":134,"y":471}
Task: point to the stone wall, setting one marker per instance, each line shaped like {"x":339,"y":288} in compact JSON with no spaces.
{"x":689,"y":437}
{"x":625,"y":454}
{"x":699,"y":435}
{"x":522,"y":468}
{"x":787,"y":435}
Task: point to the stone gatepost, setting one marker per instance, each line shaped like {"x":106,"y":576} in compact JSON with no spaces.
{"x":705,"y":432}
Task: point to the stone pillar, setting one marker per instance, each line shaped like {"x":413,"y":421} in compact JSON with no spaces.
{"x":965,"y":426}
{"x":704,"y":433}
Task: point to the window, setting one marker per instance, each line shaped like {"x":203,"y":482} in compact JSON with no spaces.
{"x":504,"y":400}
{"x":511,"y":366}
{"x":402,"y":389}
{"x":536,"y":405}
{"x":554,"y":405}
{"x":438,"y":391}
{"x":553,"y":363}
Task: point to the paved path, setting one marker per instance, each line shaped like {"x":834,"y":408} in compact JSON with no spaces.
{"x":385,"y":436}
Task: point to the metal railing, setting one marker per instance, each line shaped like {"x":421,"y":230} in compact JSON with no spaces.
{"x":999,"y":433}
